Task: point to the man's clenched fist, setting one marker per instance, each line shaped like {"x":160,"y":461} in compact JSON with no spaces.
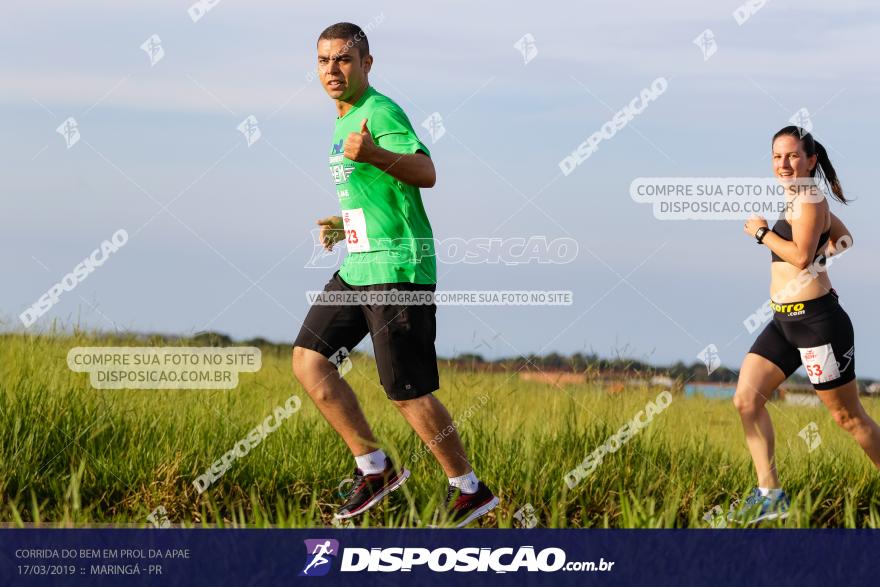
{"x":360,"y":146}
{"x":331,"y":231}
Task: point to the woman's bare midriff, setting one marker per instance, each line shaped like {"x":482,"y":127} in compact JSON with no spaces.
{"x":781,"y":273}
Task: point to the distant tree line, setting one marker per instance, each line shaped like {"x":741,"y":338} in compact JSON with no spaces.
{"x":591,"y":364}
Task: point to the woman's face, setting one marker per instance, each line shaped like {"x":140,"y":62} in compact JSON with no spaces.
{"x":790,"y":162}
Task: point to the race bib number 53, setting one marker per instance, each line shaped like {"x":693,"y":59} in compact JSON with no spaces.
{"x":355,"y":230}
{"x":820,"y":363}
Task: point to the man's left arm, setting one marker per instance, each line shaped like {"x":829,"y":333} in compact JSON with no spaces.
{"x":415,"y":169}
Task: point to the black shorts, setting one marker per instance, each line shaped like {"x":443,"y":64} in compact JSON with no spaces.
{"x":403,"y":336}
{"x":818,"y":334}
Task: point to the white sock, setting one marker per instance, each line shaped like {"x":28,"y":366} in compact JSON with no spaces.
{"x":371,"y":463}
{"x":768,"y":492}
{"x":466,"y":483}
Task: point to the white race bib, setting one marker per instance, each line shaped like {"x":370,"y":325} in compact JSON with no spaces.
{"x":820,"y":363}
{"x":355,"y":230}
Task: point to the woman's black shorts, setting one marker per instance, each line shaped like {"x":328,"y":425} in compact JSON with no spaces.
{"x":817,"y":334}
{"x":403,"y":335}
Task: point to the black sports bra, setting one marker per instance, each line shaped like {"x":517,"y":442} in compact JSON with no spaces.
{"x":783,"y":229}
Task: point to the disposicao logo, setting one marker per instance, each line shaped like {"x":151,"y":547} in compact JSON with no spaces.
{"x":319,"y":554}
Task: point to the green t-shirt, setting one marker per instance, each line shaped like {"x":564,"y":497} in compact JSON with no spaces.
{"x":387,"y":232}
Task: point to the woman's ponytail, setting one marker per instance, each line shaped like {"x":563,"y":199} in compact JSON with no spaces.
{"x":826,"y":170}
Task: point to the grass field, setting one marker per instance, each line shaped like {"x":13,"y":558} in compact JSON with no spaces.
{"x":71,"y":455}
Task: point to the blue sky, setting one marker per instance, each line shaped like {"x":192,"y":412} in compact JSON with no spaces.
{"x":229,"y":253}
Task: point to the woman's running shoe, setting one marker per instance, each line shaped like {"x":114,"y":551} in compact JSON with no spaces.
{"x":757,"y":508}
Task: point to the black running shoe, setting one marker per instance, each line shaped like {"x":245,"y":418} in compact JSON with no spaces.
{"x":464,"y":508}
{"x":368,"y":490}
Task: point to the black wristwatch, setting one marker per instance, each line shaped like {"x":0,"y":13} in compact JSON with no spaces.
{"x":760,"y":234}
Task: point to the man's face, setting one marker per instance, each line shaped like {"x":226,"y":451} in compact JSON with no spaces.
{"x":342,"y":70}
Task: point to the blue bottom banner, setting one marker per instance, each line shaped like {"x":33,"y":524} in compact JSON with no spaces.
{"x":436,"y":557}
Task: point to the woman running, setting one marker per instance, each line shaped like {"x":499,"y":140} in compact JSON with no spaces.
{"x":809,"y":326}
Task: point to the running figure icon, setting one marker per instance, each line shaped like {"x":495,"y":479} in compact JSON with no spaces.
{"x":320,"y":550}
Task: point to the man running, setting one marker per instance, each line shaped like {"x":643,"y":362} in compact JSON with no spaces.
{"x":378,"y":164}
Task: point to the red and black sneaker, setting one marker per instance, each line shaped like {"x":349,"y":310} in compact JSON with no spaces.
{"x":368,"y":490}
{"x":464,"y":508}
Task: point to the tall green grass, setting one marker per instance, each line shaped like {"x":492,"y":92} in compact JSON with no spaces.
{"x":72,"y":455}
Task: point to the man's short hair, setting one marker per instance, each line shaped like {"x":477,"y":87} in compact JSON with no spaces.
{"x":352,"y":33}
